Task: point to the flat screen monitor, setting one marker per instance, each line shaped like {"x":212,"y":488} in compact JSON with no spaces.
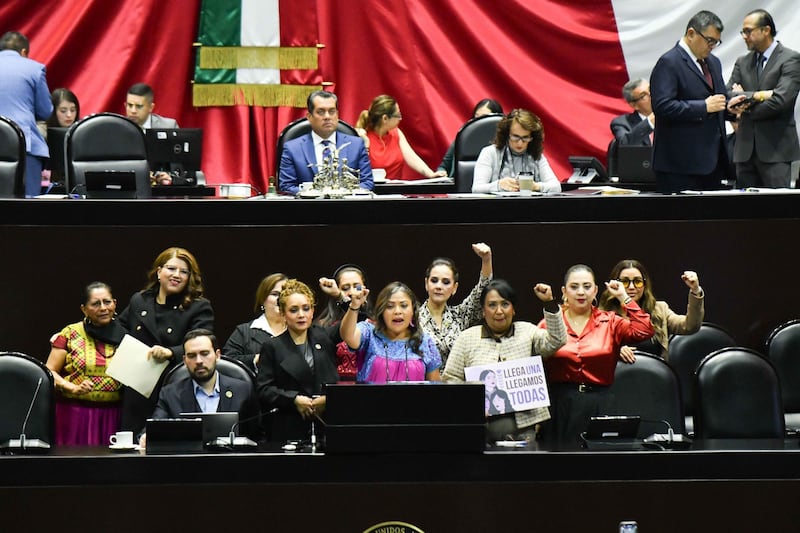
{"x":634,"y":164}
{"x":178,"y":151}
{"x":55,"y":142}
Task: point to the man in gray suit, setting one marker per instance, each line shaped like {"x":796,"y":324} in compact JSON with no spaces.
{"x":25,"y":98}
{"x":139,"y":106}
{"x":766,"y":142}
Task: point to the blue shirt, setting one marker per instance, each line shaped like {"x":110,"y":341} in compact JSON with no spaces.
{"x":208,"y":402}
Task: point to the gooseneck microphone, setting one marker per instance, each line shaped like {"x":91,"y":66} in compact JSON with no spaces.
{"x":22,"y":444}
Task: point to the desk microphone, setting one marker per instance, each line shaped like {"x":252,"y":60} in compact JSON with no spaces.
{"x":232,"y":442}
{"x":668,"y":440}
{"x":22,"y":444}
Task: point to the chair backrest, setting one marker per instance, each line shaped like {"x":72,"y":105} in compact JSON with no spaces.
{"x":686,"y":352}
{"x":301,"y":127}
{"x":738,"y":396}
{"x":106,"y":142}
{"x":648,"y":388}
{"x":12,"y":159}
{"x":611,"y":157}
{"x":19,"y":378}
{"x":470,"y":140}
{"x":783,"y":349}
{"x":225,"y":365}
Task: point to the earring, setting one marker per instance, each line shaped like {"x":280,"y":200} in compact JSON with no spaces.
{"x":594,"y":302}
{"x":86,"y":320}
{"x":261,"y":307}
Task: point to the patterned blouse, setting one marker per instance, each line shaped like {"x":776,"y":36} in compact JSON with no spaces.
{"x":381,"y":360}
{"x":87,"y":359}
{"x":455,"y":319}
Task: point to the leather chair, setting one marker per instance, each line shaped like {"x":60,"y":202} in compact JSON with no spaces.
{"x":648,"y":388}
{"x":106,"y":142}
{"x":686,"y":352}
{"x":301,"y":127}
{"x":225,"y":365}
{"x":470,"y":140}
{"x":12,"y":159}
{"x":19,"y":379}
{"x":738,"y":396}
{"x":783,"y":350}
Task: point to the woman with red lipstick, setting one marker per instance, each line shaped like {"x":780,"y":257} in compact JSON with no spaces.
{"x":639,"y":286}
{"x":171,"y":305}
{"x":580,"y":373}
{"x":295,"y":366}
{"x":88,"y":408}
{"x":394,"y":347}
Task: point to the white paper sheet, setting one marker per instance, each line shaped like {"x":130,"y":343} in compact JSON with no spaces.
{"x":131,"y":366}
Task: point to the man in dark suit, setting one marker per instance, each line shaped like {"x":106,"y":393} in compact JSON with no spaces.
{"x":300,"y":156}
{"x":766,"y":142}
{"x":25,"y":98}
{"x":689,"y":101}
{"x":205,"y":390}
{"x":635,"y":128}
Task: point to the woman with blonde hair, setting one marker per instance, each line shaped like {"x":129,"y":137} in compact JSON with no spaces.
{"x":387,"y":145}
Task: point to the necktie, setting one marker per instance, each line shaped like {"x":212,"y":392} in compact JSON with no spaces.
{"x":326,"y":149}
{"x":760,"y":60}
{"x":706,"y":72}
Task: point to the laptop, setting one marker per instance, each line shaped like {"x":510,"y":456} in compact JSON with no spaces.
{"x":634,"y":164}
{"x":110,"y":184}
{"x":174,"y":435}
{"x":612,"y":427}
{"x":217,"y":428}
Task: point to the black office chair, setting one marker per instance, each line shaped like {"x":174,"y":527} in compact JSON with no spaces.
{"x":738,"y":396}
{"x":648,"y":388}
{"x":225,"y":365}
{"x":20,"y":377}
{"x":611,"y":157}
{"x":12,"y":159}
{"x":106,"y":142}
{"x":783,"y":349}
{"x":301,"y":127}
{"x":686,"y":352}
{"x":470,"y":140}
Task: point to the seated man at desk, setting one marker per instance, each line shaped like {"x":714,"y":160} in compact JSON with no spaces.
{"x":635,"y":128}
{"x":204,"y":390}
{"x":300,"y":156}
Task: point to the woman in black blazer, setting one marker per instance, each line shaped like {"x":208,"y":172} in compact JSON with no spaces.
{"x":295,"y":366}
{"x":171,"y":305}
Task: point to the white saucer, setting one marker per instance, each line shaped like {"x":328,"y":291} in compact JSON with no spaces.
{"x":122,"y":447}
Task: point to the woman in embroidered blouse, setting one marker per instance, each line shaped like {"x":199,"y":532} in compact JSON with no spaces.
{"x":88,"y":406}
{"x":346,"y":279}
{"x":387,"y":145}
{"x":394,"y":347}
{"x":639,"y":286}
{"x":580,"y":373}
{"x":444,"y":322}
{"x":246,"y":340}
{"x":518,"y":149}
{"x":502,"y":338}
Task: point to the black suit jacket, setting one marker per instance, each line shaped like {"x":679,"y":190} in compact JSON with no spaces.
{"x":139,"y":319}
{"x":688,"y":139}
{"x":630,"y":129}
{"x":235,"y":395}
{"x":283,"y":374}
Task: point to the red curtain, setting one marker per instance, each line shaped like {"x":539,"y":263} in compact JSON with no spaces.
{"x":560,"y":59}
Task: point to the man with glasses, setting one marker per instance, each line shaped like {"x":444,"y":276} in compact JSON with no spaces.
{"x":301,"y":156}
{"x":689,"y":101}
{"x":635,"y":128}
{"x":766,"y":143}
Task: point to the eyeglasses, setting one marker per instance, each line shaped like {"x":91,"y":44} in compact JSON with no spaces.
{"x":637,"y":282}
{"x":710,"y":41}
{"x":747,"y":31}
{"x":398,"y":116}
{"x":640,"y":97}
{"x":517,"y":138}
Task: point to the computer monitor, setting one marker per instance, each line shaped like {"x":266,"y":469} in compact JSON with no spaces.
{"x":56,"y":144}
{"x":178,"y":151}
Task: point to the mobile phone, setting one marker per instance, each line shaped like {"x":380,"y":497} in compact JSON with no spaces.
{"x":628,"y":526}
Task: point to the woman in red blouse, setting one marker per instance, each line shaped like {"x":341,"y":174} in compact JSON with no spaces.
{"x":580,"y":373}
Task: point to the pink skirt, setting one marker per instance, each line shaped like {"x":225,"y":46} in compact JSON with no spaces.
{"x":86,"y":423}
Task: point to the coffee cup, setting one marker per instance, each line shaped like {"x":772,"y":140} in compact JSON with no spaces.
{"x":122,"y":439}
{"x":379,"y":174}
{"x":525,"y":182}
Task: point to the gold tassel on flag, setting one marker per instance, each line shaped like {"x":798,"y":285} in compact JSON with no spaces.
{"x":206,"y":95}
{"x":233,"y":57}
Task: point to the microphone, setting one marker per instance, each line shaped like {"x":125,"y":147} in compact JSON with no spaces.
{"x":668,"y":440}
{"x":22,"y":444}
{"x":233,"y":441}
